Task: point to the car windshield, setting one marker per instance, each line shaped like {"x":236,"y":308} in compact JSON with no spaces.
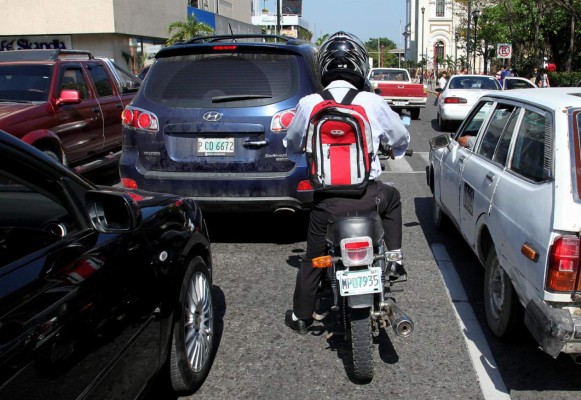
{"x":230,"y":80}
{"x":474,"y":82}
{"x":510,"y":84}
{"x":24,"y":83}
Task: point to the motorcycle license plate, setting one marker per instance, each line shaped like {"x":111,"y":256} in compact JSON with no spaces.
{"x":359,"y":282}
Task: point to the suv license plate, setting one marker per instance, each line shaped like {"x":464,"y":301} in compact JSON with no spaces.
{"x":215,"y":147}
{"x":359,"y":282}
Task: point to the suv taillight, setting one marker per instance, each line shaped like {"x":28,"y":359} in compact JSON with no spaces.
{"x":281,"y":120}
{"x":563,"y":264}
{"x":140,"y":119}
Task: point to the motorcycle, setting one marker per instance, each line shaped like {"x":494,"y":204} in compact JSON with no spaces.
{"x":360,"y":279}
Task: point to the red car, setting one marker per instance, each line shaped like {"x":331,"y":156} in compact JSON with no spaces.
{"x":66,"y":103}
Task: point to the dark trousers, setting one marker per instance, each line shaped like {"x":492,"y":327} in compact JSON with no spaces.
{"x":380,"y":197}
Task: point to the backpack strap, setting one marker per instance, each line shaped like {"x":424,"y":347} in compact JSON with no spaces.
{"x":347,"y":100}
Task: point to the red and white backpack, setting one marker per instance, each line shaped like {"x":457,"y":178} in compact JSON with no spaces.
{"x":339,"y":146}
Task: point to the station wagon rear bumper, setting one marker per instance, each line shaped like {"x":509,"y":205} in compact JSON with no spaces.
{"x":553,"y":328}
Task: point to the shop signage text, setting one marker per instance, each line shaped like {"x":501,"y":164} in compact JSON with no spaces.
{"x":25,"y":44}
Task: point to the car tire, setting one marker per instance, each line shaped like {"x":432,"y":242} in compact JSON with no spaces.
{"x":52,"y":155}
{"x":441,"y":221}
{"x":504,"y":313}
{"x":415,"y":113}
{"x":192,"y":349}
{"x":442,"y":124}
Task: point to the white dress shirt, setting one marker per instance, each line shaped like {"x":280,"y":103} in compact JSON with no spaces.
{"x":385,"y":123}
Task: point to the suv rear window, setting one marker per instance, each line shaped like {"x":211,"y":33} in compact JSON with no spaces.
{"x":223,"y":80}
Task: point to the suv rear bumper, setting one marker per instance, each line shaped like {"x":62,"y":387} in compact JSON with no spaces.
{"x":225,"y":192}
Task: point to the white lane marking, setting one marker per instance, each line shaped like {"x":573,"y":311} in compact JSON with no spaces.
{"x":491,"y":383}
{"x":402,"y":165}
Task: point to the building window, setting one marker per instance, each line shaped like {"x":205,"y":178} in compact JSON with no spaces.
{"x":440,"y":52}
{"x":440,"y":8}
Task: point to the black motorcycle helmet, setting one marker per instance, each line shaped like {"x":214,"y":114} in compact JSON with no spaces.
{"x":343,"y":56}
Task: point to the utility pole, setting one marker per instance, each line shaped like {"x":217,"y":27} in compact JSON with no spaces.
{"x":278,"y":17}
{"x":468,"y":15}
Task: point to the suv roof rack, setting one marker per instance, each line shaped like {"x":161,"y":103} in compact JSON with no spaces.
{"x":265,"y":38}
{"x":44,"y":55}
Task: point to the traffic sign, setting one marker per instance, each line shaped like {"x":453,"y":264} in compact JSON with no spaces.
{"x":504,"y":50}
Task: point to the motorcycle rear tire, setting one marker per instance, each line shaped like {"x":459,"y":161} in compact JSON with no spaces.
{"x":361,"y":344}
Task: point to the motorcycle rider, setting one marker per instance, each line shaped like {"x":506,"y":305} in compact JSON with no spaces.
{"x":343,"y":62}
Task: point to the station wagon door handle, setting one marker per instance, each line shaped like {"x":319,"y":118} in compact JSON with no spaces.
{"x":461,"y":160}
{"x":255,"y":144}
{"x":490,"y":176}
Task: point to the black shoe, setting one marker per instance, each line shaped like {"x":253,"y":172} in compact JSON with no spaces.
{"x":396,"y":272}
{"x":300,"y":326}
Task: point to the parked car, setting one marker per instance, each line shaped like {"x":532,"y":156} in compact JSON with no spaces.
{"x":66,"y":103}
{"x":515,"y":197}
{"x":210,"y":120}
{"x":514,"y":82}
{"x":459,"y":95}
{"x":101,"y":289}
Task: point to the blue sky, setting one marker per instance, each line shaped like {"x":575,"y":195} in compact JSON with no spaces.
{"x":364,"y":18}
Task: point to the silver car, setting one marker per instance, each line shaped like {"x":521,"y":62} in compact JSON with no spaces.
{"x":514,"y":193}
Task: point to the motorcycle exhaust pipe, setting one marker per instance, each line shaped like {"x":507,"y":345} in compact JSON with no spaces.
{"x":400,"y":322}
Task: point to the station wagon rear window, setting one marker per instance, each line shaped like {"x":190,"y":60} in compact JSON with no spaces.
{"x":223,"y":80}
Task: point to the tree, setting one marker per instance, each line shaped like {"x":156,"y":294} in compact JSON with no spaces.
{"x":180,"y":31}
{"x":387,"y":59}
{"x":322,"y":39}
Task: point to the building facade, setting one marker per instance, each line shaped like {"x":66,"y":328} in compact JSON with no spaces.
{"x":432,"y":33}
{"x":122,"y":30}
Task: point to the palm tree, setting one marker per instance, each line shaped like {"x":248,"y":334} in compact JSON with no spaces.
{"x":185,"y":30}
{"x":322,"y":39}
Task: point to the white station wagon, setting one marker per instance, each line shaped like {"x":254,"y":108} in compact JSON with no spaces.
{"x":514,"y":192}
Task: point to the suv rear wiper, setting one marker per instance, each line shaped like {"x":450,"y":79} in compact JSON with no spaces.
{"x":235,"y":97}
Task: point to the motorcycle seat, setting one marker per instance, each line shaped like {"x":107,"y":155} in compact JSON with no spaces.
{"x":355,"y":224}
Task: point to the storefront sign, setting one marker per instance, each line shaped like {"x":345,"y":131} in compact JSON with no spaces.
{"x":35,"y":42}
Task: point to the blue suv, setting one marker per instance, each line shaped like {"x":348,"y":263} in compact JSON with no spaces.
{"x":210,"y":119}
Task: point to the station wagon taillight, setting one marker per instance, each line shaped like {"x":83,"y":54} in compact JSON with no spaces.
{"x":563,"y":264}
{"x":140,"y":119}
{"x":281,"y":120}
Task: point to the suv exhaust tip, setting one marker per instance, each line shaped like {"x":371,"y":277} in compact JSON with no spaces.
{"x":285,"y":210}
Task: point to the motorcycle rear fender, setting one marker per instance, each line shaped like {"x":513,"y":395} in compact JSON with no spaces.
{"x":361,"y":301}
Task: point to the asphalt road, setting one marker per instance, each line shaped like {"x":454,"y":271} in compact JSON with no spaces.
{"x":258,"y":357}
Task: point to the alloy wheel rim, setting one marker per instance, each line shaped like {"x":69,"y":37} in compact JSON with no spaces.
{"x":198,"y":322}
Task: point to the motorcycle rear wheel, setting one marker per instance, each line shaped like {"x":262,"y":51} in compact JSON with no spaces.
{"x":361,"y":344}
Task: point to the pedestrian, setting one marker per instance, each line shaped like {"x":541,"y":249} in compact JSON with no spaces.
{"x":343,"y":62}
{"x":442,"y":81}
{"x":541,"y":78}
{"x":535,"y":77}
{"x":503,"y":74}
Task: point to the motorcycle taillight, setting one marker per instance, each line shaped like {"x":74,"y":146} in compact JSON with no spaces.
{"x":357,"y":251}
